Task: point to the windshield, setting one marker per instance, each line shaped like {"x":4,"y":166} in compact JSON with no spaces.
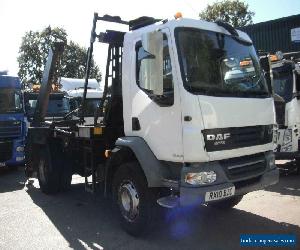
{"x":56,"y":107}
{"x":283,"y":84}
{"x":219,"y":65}
{"x":10,"y":101}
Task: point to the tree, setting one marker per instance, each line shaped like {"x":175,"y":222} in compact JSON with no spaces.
{"x":34,"y":50}
{"x":74,"y":61}
{"x":233,"y":12}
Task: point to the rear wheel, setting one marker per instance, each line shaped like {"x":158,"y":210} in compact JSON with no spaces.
{"x":54,"y":172}
{"x":48,"y":174}
{"x":228,"y":203}
{"x":66,"y":174}
{"x":135,"y":202}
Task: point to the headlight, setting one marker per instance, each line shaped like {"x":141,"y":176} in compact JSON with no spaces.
{"x":287,"y":137}
{"x":201,"y":178}
{"x":20,"y":149}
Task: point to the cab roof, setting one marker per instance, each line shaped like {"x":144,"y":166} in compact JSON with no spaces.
{"x":187,"y":23}
{"x":7,"y":81}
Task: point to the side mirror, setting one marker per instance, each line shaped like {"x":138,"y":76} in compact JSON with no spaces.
{"x":265,"y":63}
{"x":151,"y":71}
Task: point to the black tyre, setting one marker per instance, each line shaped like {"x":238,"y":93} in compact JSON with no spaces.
{"x":66,"y":174}
{"x":54,"y":173}
{"x":135,"y":202}
{"x":31,"y":157}
{"x":48,"y":172}
{"x":228,"y":203}
{"x":298,"y":170}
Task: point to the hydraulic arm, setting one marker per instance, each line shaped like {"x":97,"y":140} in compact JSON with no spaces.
{"x":50,"y":68}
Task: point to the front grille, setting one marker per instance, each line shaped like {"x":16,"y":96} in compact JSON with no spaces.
{"x":243,"y":167}
{"x":245,"y":183}
{"x":5,"y":150}
{"x":10,"y":129}
{"x":237,"y":137}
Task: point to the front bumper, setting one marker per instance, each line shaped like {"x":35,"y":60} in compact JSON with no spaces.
{"x":16,"y":158}
{"x":194,"y":195}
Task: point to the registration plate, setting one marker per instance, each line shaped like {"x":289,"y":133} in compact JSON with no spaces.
{"x":2,"y":164}
{"x":219,"y":194}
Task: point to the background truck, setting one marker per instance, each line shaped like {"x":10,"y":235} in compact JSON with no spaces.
{"x":59,"y":104}
{"x":174,"y":130}
{"x":12,"y":125}
{"x":75,"y":89}
{"x":286,"y":75}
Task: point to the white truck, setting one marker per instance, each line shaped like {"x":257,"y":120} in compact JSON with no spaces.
{"x":174,"y":132}
{"x":75,"y":89}
{"x":286,"y":75}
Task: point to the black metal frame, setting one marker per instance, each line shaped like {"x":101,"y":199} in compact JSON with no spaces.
{"x":101,"y":37}
{"x":115,"y":41}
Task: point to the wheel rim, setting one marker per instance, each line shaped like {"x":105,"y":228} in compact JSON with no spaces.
{"x":42,"y":171}
{"x":128,"y":201}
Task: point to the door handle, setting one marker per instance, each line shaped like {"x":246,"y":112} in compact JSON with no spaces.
{"x":187,"y":118}
{"x":136,"y":124}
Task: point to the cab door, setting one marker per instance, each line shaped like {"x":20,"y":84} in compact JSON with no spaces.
{"x":157,"y":119}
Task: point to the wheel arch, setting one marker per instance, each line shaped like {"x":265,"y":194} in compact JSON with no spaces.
{"x":134,"y":149}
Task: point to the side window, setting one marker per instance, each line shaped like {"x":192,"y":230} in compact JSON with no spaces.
{"x":167,"y":99}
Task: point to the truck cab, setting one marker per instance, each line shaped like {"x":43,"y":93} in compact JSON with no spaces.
{"x":12,"y":125}
{"x":286,"y":75}
{"x":216,"y":124}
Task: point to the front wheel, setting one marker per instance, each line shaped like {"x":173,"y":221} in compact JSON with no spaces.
{"x":134,"y":200}
{"x":228,"y":203}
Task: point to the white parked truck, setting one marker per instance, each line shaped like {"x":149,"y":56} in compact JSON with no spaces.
{"x":75,"y":89}
{"x":286,"y":75}
{"x":174,"y":131}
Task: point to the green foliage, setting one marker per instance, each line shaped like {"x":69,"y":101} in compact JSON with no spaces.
{"x":233,"y":12}
{"x":34,"y":50}
{"x":74,"y":60}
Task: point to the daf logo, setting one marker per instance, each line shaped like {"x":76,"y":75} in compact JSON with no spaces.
{"x":218,"y":137}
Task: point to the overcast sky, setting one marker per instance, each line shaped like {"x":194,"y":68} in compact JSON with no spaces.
{"x":17,"y":17}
